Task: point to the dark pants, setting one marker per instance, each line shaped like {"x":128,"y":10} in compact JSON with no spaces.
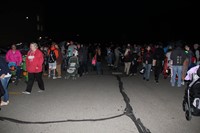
{"x":85,"y":66}
{"x":31,"y":79}
{"x":18,"y":73}
{"x":99,"y":68}
{"x":134,"y":67}
{"x":157,"y":71}
{"x":80,"y":69}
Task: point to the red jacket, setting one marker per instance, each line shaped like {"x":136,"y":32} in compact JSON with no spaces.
{"x":34,"y":61}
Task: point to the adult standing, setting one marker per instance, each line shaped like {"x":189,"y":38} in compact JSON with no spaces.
{"x":15,"y":56}
{"x":4,"y":78}
{"x":158,"y":57}
{"x":187,"y":63}
{"x":196,"y":53}
{"x":127,"y":60}
{"x":52,"y":57}
{"x":117,"y":56}
{"x":99,"y":61}
{"x":178,"y":57}
{"x":147,"y":61}
{"x":59,"y":62}
{"x":34,"y":61}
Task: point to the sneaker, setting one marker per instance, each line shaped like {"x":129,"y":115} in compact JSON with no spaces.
{"x":182,"y":83}
{"x":45,"y":74}
{"x":26,"y":92}
{"x":54,"y":77}
{"x":59,"y":77}
{"x":157,"y":82}
{"x":40,"y":91}
{"x":49,"y":76}
{"x":130,"y":74}
{"x":178,"y":86}
{"x":4,"y":103}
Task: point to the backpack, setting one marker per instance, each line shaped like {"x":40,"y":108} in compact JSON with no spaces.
{"x":52,"y":56}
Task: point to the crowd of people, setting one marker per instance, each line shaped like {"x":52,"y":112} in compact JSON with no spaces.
{"x":173,"y":60}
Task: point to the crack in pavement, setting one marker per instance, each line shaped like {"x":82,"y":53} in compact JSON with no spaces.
{"x":129,"y":110}
{"x":60,"y":121}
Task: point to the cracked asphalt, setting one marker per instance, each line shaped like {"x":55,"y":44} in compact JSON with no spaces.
{"x":97,"y":104}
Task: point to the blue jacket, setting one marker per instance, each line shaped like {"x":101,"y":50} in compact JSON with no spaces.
{"x":3,"y":67}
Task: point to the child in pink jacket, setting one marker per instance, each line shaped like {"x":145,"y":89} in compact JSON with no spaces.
{"x":15,"y":56}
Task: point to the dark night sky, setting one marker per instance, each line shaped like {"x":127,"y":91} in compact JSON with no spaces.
{"x":137,"y":20}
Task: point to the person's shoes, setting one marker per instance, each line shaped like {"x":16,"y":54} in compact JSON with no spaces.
{"x":49,"y":76}
{"x":54,"y":77}
{"x":182,"y":83}
{"x":179,"y":86}
{"x":4,"y":103}
{"x":45,"y":74}
{"x":59,"y":77}
{"x":147,"y":80}
{"x":40,"y":91}
{"x":144,"y":78}
{"x":157,"y":82}
{"x":130,"y":74}
{"x":26,"y":92}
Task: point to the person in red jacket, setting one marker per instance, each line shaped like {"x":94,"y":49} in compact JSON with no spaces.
{"x":34,"y":61}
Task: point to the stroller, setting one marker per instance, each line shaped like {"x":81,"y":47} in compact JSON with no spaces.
{"x":191,"y":102}
{"x":13,"y":69}
{"x":72,"y":69}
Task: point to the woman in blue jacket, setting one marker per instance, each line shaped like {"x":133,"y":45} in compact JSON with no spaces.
{"x":4,"y":78}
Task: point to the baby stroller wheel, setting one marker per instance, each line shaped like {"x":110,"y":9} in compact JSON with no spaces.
{"x":67,"y":77}
{"x":184,"y":106}
{"x":188,"y":115}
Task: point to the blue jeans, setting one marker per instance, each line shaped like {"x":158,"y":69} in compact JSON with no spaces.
{"x":177,"y":70}
{"x":99,"y":68}
{"x":4,"y":83}
{"x":109,"y":59}
{"x":147,"y":71}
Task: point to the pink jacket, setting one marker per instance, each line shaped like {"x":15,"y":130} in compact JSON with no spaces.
{"x":34,"y":61}
{"x":14,"y":57}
